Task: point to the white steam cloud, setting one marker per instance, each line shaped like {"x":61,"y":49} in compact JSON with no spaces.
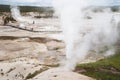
{"x":85,"y":30}
{"x":15,"y":11}
{"x":23,"y":20}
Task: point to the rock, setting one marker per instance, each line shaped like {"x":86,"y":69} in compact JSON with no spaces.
{"x":11,"y":49}
{"x":22,"y":39}
{"x":54,"y":45}
{"x":20,"y":69}
{"x":60,"y":74}
{"x":19,"y":33}
{"x":51,"y":58}
{"x":1,"y":21}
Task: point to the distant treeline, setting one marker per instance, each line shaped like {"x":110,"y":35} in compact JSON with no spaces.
{"x":6,"y":8}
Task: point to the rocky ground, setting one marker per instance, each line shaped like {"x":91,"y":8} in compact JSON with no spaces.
{"x":26,"y":55}
{"x":34,"y":52}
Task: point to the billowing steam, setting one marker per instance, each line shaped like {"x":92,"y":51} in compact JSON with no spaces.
{"x":87,"y":29}
{"x":15,"y":11}
{"x":25,"y":22}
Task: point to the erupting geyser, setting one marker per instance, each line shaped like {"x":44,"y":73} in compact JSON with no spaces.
{"x":86,"y":30}
{"x":15,"y":11}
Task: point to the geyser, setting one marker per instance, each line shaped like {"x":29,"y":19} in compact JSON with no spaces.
{"x":86,"y":28}
{"x":15,"y":11}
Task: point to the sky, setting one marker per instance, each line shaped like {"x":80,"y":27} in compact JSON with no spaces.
{"x":27,"y":2}
{"x":46,"y":2}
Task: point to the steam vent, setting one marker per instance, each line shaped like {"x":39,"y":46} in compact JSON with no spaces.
{"x":63,"y":40}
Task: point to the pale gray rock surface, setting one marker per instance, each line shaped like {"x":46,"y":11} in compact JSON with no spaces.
{"x":27,"y":55}
{"x":13,"y":49}
{"x":60,"y":74}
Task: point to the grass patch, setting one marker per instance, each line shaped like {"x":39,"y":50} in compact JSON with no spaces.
{"x":106,"y":69}
{"x":102,"y":75}
{"x":32,"y":75}
{"x":53,"y":65}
